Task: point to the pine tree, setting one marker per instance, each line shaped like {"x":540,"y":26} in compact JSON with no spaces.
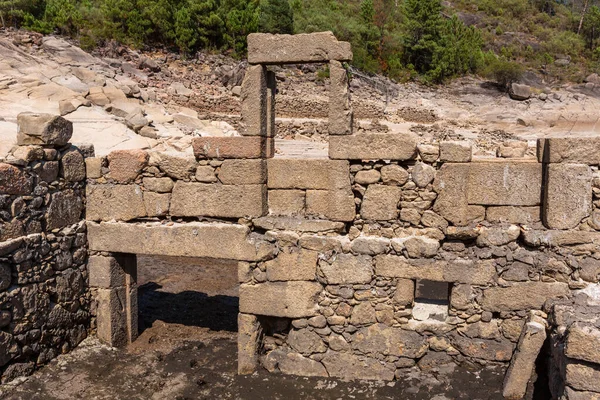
{"x":423,"y":27}
{"x":276,"y":16}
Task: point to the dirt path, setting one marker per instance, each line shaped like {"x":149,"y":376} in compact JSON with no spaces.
{"x":187,"y":350}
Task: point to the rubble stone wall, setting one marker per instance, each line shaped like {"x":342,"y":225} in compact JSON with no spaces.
{"x":45,"y":304}
{"x":361,"y":242}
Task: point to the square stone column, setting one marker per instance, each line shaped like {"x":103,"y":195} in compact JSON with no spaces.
{"x":341,"y":115}
{"x":254,"y":96}
{"x":114,"y":278}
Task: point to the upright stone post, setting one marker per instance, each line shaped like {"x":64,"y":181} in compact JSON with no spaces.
{"x":249,"y":334}
{"x":254,"y":101}
{"x":340,"y":108}
{"x":115,"y":279}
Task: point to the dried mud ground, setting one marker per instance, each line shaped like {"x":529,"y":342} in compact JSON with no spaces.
{"x":187,"y":350}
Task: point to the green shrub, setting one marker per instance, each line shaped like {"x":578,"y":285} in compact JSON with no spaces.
{"x":500,"y":70}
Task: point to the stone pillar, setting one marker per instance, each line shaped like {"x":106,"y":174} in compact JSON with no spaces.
{"x":254,"y":102}
{"x":249,"y":334}
{"x":340,"y":109}
{"x":114,"y":278}
{"x":271,"y":92}
{"x":568,"y":195}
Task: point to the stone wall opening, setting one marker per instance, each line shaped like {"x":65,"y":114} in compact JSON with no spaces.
{"x":193,"y":292}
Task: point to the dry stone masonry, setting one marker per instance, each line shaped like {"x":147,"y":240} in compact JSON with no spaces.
{"x":388,"y":256}
{"x":45,"y":304}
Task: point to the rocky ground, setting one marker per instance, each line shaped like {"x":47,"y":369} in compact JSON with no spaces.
{"x":187,"y":350}
{"x":118,"y":98}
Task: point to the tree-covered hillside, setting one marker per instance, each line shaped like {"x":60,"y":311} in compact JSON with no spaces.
{"x":428,"y":40}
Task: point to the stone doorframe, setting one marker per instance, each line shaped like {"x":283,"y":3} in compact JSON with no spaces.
{"x":259,"y":85}
{"x":113,"y":278}
{"x":113,"y":263}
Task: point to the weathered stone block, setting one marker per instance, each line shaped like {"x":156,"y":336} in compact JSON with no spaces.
{"x":158,"y":185}
{"x":513,"y":215}
{"x":522,"y":296}
{"x":340,"y":109}
{"x":497,"y":236}
{"x":370,"y":245}
{"x":295,"y":299}
{"x":306,"y":341}
{"x":405,"y":292}
{"x":381,"y":339}
{"x":568,"y":195}
{"x":556,"y":238}
{"x":461,"y":271}
{"x":451,"y":186}
{"x":394,"y":175}
{"x":193,"y":239}
{"x":254,"y":102}
{"x":429,"y":153}
{"x":352,"y":367}
{"x":243,"y":172}
{"x":120,"y":202}
{"x":157,"y":204}
{"x":105,"y":272}
{"x":233,"y":147}
{"x":293,"y":264}
{"x":126,"y":165}
{"x":43,"y":129}
{"x":114,"y":316}
{"x":423,"y":174}
{"x":580,"y":150}
{"x":367,"y":177}
{"x":455,"y":152}
{"x":265,"y":48}
{"x":11,"y":230}
{"x":297,"y":364}
{"x":373,"y":146}
{"x":486,"y":349}
{"x":249,"y":334}
{"x":505,"y":183}
{"x":522,"y":363}
{"x":348,"y":269}
{"x":14,"y":180}
{"x":336,"y":205}
{"x":206,"y":174}
{"x":583,"y":376}
{"x":175,"y":165}
{"x":297,"y":224}
{"x":227,"y":201}
{"x":581,"y":395}
{"x":65,"y":209}
{"x":583,"y":343}
{"x":93,"y":167}
{"x":48,"y":171}
{"x":72,"y":165}
{"x":287,"y":202}
{"x":380,"y":203}
{"x":284,"y":173}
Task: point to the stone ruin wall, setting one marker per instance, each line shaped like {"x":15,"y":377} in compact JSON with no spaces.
{"x":44,"y":300}
{"x":349,"y":267}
